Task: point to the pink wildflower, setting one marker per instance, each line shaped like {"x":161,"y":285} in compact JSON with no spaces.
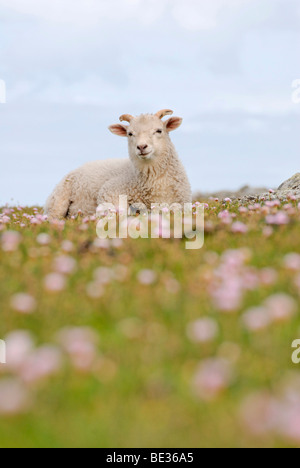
{"x":23,"y":303}
{"x":14,"y":398}
{"x":54,"y":282}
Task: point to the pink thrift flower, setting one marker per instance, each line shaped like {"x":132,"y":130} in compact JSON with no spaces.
{"x":268,"y":231}
{"x":117,"y":243}
{"x":14,"y":398}
{"x":19,"y":345}
{"x":273,"y":203}
{"x":101,"y":244}
{"x":81,"y":346}
{"x":239,"y":228}
{"x":103,"y":275}
{"x":67,"y":246}
{"x":172,"y":286}
{"x":147,"y":277}
{"x":281,"y":307}
{"x":228,"y":300}
{"x":236,"y":258}
{"x":225,"y":217}
{"x":23,"y":303}
{"x":4,"y":219}
{"x":289,"y":422}
{"x":64,"y":265}
{"x":59,"y":225}
{"x":256,"y":319}
{"x":292,"y":262}
{"x":258,"y":414}
{"x":54,"y":282}
{"x":43,"y":239}
{"x":250,"y":278}
{"x":10,"y":241}
{"x":203,"y":330}
{"x":95,"y":290}
{"x":212,"y":377}
{"x":268,"y":276}
{"x":42,"y":363}
{"x":279,"y":219}
{"x":41,"y":218}
{"x":229,"y":282}
{"x":35,"y":221}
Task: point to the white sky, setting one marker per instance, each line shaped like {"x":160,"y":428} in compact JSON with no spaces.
{"x":71,"y":67}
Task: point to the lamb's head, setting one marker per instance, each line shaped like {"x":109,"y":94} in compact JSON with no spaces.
{"x":148,"y":135}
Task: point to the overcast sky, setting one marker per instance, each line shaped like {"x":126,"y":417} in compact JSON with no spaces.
{"x":72,"y":67}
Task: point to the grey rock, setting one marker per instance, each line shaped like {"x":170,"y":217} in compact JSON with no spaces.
{"x":290,"y":187}
{"x":245,"y":191}
{"x":247,"y":194}
{"x":292,"y":184}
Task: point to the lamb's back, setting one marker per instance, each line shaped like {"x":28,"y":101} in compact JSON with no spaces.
{"x":93,"y":175}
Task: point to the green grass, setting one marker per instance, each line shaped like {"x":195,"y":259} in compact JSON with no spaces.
{"x":142,"y":394}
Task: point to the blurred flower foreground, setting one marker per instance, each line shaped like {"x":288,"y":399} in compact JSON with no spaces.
{"x":142,"y":343}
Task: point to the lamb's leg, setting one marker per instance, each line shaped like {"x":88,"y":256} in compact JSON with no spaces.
{"x":58,"y":204}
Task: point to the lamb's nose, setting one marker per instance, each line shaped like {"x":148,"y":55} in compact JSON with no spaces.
{"x":142,"y":148}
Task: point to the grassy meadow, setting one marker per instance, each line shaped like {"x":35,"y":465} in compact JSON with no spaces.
{"x":142,"y":343}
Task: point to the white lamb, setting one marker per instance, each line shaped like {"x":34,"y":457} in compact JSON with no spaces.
{"x":153,"y":174}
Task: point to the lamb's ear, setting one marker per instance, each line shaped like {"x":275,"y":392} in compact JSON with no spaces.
{"x":173,"y":123}
{"x":118,"y":129}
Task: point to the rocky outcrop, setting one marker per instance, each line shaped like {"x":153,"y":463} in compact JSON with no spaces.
{"x":290,"y":187}
{"x":246,"y":194}
{"x":242,"y":192}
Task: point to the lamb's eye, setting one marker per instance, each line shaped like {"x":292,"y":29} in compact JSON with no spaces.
{"x":130,"y":134}
{"x":159,"y":131}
